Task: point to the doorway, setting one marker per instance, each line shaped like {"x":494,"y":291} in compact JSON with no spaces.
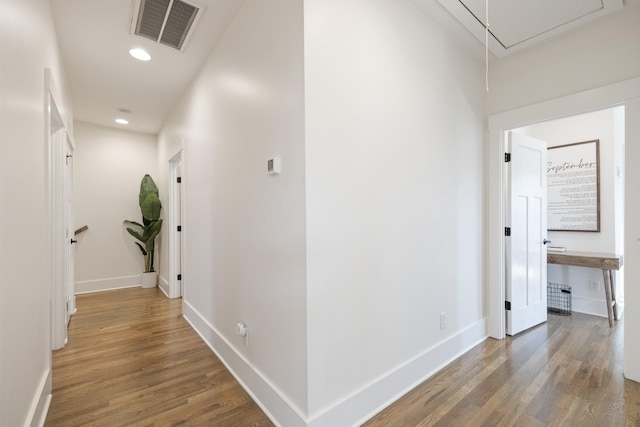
{"x":607,"y":127}
{"x":625,"y":93}
{"x":175,"y":226}
{"x":59,"y":167}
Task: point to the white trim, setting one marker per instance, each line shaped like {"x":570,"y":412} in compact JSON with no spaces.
{"x":632,"y":236}
{"x":163,"y":285}
{"x":391,"y":386}
{"x":369,"y":399}
{"x":591,"y":100}
{"x":280,"y":410}
{"x":109,"y":284}
{"x":592,"y":306}
{"x":54,"y":225}
{"x":41,"y":401}
{"x":175,"y":218}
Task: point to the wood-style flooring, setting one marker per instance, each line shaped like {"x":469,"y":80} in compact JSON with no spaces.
{"x":132,"y":360}
{"x":566,"y":372}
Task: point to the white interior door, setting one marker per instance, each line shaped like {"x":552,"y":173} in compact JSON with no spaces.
{"x":526,"y":263}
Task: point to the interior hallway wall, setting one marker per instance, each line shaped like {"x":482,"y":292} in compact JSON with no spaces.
{"x":244,"y":230}
{"x":109,"y":165}
{"x":395,"y":173}
{"x":27,"y":46}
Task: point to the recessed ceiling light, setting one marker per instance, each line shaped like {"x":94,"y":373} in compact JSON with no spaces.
{"x":122,"y":121}
{"x":140,"y":54}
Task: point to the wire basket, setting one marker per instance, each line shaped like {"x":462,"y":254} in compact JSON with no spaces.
{"x":558,"y":299}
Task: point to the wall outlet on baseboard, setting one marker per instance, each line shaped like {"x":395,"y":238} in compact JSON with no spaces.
{"x":594,"y":285}
{"x":443,"y":320}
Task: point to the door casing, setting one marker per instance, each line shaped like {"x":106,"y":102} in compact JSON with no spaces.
{"x":621,"y":93}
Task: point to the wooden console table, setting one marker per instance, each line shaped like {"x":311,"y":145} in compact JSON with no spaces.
{"x":606,"y":262}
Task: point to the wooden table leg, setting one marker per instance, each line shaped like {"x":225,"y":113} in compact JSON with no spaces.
{"x":607,"y":292}
{"x":614,"y":301}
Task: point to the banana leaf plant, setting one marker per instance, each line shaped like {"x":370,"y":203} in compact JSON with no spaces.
{"x":147,"y":232}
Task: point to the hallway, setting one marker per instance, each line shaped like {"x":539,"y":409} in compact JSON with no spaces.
{"x":132,"y":359}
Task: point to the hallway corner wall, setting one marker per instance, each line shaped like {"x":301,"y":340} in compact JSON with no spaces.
{"x":243,"y":229}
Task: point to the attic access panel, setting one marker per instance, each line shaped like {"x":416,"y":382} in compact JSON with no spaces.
{"x":169,"y":22}
{"x":516,"y":24}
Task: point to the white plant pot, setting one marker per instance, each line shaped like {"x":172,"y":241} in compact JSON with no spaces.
{"x":149,"y":280}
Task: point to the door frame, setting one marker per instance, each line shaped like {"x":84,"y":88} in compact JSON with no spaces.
{"x":176,"y":210}
{"x":69,"y":152}
{"x":613,"y":95}
{"x":56,"y":137}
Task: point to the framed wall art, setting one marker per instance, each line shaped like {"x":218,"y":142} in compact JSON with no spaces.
{"x":573,"y":187}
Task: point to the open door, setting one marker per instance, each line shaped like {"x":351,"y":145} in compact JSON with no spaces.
{"x":526,"y":221}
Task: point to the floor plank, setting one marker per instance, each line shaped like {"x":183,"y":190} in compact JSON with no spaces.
{"x":132,"y":360}
{"x":566,"y":372}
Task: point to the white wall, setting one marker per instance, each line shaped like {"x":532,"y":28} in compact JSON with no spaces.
{"x":598,"y":54}
{"x":394,"y":167}
{"x":108,"y":167}
{"x":244,"y":231}
{"x":599,"y":125}
{"x":632,"y":240}
{"x":27,"y":46}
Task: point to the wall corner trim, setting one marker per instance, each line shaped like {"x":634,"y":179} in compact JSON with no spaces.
{"x":370,"y":399}
{"x":272,"y":401}
{"x":41,"y":401}
{"x":386,"y":389}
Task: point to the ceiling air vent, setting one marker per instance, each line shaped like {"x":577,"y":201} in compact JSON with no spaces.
{"x":170,"y":22}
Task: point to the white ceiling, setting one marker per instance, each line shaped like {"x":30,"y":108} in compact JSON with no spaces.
{"x":94,"y":38}
{"x":517,"y":24}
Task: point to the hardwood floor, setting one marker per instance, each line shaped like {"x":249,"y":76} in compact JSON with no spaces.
{"x":567,"y":372}
{"x":132,"y":360}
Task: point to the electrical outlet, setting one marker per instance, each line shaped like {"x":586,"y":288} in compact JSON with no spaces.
{"x":443,"y":320}
{"x":243,"y":331}
{"x":594,"y":285}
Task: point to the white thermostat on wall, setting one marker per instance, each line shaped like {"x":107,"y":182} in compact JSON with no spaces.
{"x":273,"y":165}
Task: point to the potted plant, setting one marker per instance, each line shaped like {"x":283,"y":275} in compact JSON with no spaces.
{"x":147,"y":232}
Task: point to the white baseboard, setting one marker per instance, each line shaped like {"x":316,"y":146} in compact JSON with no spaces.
{"x":164,"y":286}
{"x":41,"y":402}
{"x":355,"y":409}
{"x":109,"y":284}
{"x":372,"y":398}
{"x":591,"y":306}
{"x":274,"y":404}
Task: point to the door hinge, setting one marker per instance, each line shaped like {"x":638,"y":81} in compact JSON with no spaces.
{"x":507,"y":157}
{"x":507,"y":231}
{"x":179,"y":276}
{"x":179,"y":228}
{"x":179,"y":179}
{"x":507,"y":305}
